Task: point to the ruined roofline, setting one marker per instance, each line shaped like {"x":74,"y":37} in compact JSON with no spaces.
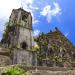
{"x":16,"y":10}
{"x":57,"y":31}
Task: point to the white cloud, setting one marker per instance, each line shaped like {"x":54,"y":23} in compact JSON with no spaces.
{"x":46,"y":10}
{"x":28,"y":1}
{"x":35,"y":21}
{"x":34,"y":8}
{"x":28,"y":4}
{"x":36,"y":32}
{"x":49,"y":13}
{"x":6,"y":7}
{"x":66,"y":34}
{"x":56,"y":10}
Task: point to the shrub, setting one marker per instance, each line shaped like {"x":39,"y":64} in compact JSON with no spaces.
{"x":14,"y":71}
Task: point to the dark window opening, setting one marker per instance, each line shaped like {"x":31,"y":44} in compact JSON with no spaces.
{"x":23,"y":45}
{"x":24,"y":17}
{"x":11,"y":28}
{"x":74,"y":56}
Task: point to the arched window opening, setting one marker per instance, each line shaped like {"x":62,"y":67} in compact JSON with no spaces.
{"x":23,"y":45}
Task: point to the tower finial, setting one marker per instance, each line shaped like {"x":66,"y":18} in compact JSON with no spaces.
{"x":21,"y":5}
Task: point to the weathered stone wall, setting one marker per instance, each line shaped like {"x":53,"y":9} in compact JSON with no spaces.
{"x":22,"y":57}
{"x":5,"y":58}
{"x":21,"y":23}
{"x":25,"y":35}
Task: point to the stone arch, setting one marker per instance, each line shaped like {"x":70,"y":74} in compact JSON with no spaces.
{"x":74,"y":55}
{"x":24,"y":45}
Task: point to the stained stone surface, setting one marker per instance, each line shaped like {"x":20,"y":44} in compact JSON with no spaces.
{"x":22,"y":57}
{"x":44,"y":72}
{"x":4,"y":50}
{"x":5,"y":60}
{"x":36,"y":74}
{"x":20,"y":29}
{"x":5,"y":56}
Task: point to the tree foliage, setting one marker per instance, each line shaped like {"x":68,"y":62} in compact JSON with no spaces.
{"x":5,"y":34}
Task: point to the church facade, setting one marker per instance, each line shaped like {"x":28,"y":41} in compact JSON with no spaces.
{"x":55,"y":49}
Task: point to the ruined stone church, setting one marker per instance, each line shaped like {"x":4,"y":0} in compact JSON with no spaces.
{"x":55,"y":49}
{"x":16,"y":46}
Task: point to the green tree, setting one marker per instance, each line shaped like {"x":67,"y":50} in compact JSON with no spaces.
{"x":5,"y":34}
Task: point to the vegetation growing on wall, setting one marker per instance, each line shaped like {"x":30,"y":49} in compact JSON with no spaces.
{"x":52,"y":49}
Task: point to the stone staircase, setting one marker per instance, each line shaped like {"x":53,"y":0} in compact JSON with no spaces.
{"x":43,"y":72}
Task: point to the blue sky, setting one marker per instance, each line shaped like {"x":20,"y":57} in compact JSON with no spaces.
{"x":47,"y":14}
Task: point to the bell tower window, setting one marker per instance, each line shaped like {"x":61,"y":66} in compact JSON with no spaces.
{"x":24,"y":45}
{"x":24,"y":20}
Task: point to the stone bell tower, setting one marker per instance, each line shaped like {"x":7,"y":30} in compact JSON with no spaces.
{"x":20,"y":29}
